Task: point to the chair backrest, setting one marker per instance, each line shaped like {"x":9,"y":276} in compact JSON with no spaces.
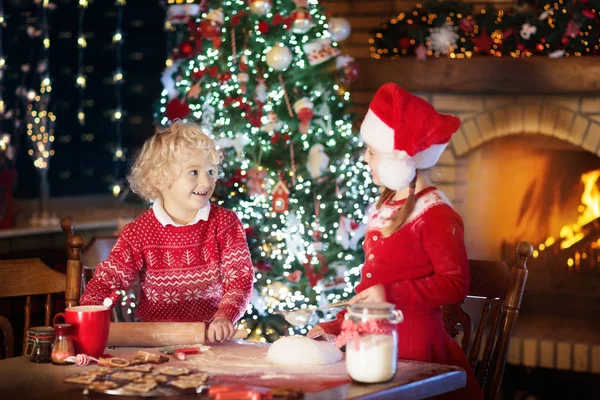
{"x":502,"y":291}
{"x":97,"y":250}
{"x":30,"y":277}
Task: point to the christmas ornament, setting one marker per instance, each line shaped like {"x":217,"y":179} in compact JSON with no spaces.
{"x":421,"y":52}
{"x":339,"y":29}
{"x":260,"y":93}
{"x":317,"y":162}
{"x":279,"y":57}
{"x":557,"y":54}
{"x":348,"y":68}
{"x":256,"y":181}
{"x":243,"y":79}
{"x":260,"y":7}
{"x":304,"y":110}
{"x":349,"y":233}
{"x":194,"y":91}
{"x":301,"y":21}
{"x":181,"y":13}
{"x":483,"y":42}
{"x":186,"y":48}
{"x":238,"y":143}
{"x":442,"y":40}
{"x":572,"y":30}
{"x":467,"y":25}
{"x":177,"y":109}
{"x":294,"y":243}
{"x":295,"y":276}
{"x":527,"y":30}
{"x":320,"y":50}
{"x":280,"y":197}
{"x":211,"y":25}
{"x":274,"y":123}
{"x":167,"y":80}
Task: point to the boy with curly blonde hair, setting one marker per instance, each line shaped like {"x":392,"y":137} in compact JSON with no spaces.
{"x":191,"y":256}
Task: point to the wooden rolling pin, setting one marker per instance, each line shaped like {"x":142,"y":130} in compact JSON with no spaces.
{"x":155,"y":334}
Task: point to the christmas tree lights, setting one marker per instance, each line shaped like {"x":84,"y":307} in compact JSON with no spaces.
{"x":267,"y":79}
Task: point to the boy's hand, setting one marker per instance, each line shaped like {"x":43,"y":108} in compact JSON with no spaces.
{"x":220,"y":329}
{"x":374,"y":294}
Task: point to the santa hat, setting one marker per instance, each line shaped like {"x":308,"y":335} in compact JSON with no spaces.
{"x":408,"y":133}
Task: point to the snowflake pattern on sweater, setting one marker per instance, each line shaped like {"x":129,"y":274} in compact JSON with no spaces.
{"x":191,"y":273}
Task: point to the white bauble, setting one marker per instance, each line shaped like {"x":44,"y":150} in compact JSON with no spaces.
{"x":339,"y":29}
{"x":279,"y":58}
{"x":260,"y":7}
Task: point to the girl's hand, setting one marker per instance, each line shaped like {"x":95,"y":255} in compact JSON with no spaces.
{"x":316,"y":332}
{"x":220,"y":329}
{"x":374,"y":294}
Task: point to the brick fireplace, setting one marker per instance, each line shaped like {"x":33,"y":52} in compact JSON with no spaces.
{"x":530,"y":129}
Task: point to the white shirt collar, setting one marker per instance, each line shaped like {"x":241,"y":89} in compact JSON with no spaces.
{"x":164,"y":218}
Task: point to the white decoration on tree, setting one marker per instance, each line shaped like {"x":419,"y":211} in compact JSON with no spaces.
{"x":238,"y":142}
{"x":318,"y":161}
{"x":320,"y":50}
{"x":258,"y":302}
{"x":527,"y":30}
{"x":279,"y":57}
{"x":260,"y":93}
{"x":168,"y":81}
{"x":348,"y":233}
{"x":208,"y":116}
{"x":339,"y":29}
{"x":293,"y":236}
{"x":442,"y":40}
{"x":274,"y":123}
{"x":323,"y":111}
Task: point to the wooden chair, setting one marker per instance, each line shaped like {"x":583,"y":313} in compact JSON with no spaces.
{"x":92,"y":253}
{"x":503,"y":291}
{"x":30,"y":277}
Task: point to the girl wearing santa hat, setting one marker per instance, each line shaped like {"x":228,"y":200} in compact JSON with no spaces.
{"x":415,"y":255}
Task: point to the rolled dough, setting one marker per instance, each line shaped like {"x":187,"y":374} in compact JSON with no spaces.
{"x":300,"y":350}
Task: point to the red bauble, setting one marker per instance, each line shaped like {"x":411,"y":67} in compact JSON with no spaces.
{"x":350,"y":72}
{"x":263,"y":27}
{"x":404,"y":43}
{"x":565,"y":40}
{"x":520,"y":47}
{"x":539,"y":47}
{"x":210,"y":29}
{"x":177,"y":109}
{"x":186,"y":48}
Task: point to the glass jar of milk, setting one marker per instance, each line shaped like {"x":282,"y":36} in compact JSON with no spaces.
{"x":372,"y":346}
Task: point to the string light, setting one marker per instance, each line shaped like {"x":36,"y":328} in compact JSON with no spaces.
{"x":560,"y":23}
{"x":117,"y":117}
{"x":81,"y":45}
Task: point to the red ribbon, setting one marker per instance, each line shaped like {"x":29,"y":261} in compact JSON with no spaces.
{"x":352,"y":331}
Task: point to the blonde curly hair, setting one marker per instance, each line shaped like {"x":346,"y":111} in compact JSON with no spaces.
{"x":158,"y":163}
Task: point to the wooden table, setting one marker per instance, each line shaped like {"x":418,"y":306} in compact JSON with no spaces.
{"x":22,"y":379}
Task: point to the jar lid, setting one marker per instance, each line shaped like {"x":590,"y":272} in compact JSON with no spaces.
{"x":372,"y":310}
{"x":63,"y":329}
{"x":41,"y":332}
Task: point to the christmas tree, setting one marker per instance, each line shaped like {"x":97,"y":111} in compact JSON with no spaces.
{"x":269,"y":81}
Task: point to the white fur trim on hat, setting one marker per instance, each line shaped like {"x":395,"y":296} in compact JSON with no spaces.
{"x":377,"y":133}
{"x":429,"y":157}
{"x":396,"y":170}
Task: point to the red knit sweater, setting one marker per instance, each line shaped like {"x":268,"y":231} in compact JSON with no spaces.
{"x":190,"y":273}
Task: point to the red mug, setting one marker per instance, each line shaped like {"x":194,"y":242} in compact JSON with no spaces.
{"x":91,"y":325}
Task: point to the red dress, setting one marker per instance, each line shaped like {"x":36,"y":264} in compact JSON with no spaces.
{"x":422,"y":266}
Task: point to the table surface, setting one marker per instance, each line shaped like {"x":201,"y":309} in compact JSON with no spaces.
{"x":243,"y":363}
